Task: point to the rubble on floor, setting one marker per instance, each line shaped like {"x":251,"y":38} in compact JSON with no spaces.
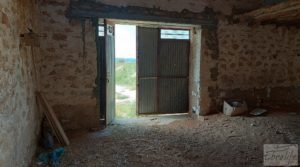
{"x":217,"y":141}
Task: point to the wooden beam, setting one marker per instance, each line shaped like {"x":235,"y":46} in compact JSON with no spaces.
{"x":88,"y":9}
{"x":288,"y":10}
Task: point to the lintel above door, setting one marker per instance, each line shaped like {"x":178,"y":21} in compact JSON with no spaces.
{"x":89,"y":9}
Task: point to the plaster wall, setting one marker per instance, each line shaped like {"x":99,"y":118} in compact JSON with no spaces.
{"x":259,"y":64}
{"x":19,"y":117}
{"x":234,"y":58}
{"x":69,"y":66}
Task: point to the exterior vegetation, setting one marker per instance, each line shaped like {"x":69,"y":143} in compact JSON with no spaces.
{"x":125,"y":89}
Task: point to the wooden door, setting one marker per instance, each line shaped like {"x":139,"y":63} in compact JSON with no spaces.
{"x":110,"y":72}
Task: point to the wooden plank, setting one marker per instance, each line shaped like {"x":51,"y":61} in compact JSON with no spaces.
{"x":50,"y":121}
{"x":56,"y":123}
{"x":52,"y":117}
{"x":54,"y":130}
{"x":288,"y":9}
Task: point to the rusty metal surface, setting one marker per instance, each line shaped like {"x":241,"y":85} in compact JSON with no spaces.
{"x":173,"y":95}
{"x":147,"y":52}
{"x":147,"y":70}
{"x":173,"y":76}
{"x":174,"y":58}
{"x":147,"y":96}
{"x":162,"y":73}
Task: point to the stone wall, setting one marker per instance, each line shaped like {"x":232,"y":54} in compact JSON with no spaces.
{"x":68,"y":70}
{"x":206,"y":88}
{"x":208,"y":70}
{"x":68,"y":75}
{"x":237,"y":61}
{"x":259,"y":64}
{"x":19,"y":118}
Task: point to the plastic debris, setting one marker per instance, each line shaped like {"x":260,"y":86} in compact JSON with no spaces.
{"x":51,"y":158}
{"x":48,"y":141}
{"x":258,"y":112}
{"x":55,"y":156}
{"x":235,"y":107}
{"x":43,"y":159}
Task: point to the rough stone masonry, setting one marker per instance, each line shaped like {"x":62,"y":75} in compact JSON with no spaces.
{"x":232,"y":63}
{"x":257,"y":63}
{"x":19,"y":119}
{"x":68,"y":77}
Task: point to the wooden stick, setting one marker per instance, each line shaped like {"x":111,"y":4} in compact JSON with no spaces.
{"x":52,"y":118}
{"x":36,"y":74}
{"x":54,"y":130}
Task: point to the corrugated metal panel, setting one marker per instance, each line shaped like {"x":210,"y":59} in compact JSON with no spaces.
{"x":163,"y":77}
{"x":173,"y":58}
{"x":147,"y":96}
{"x":173,"y":95}
{"x":147,"y":69}
{"x":147,"y":52}
{"x":173,"y":76}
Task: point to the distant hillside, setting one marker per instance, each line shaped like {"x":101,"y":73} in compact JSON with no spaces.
{"x":126,"y":60}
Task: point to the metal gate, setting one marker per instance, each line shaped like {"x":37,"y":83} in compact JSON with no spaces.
{"x":162,"y":73}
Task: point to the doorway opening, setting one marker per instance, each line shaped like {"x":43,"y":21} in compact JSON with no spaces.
{"x":125,"y":70}
{"x":150,"y":69}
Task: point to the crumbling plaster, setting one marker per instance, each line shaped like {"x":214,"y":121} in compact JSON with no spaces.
{"x":193,"y":5}
{"x":256,"y":62}
{"x":69,"y":77}
{"x":68,"y":74}
{"x":69,"y":81}
{"x":19,"y":117}
{"x":194,"y":72}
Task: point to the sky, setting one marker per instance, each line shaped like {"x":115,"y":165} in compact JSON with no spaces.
{"x":125,"y":41}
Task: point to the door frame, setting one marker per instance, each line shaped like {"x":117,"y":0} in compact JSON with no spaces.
{"x":101,"y":68}
{"x":110,"y":73}
{"x":194,"y":54}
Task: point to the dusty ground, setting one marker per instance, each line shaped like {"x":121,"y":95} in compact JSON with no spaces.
{"x":217,"y":141}
{"x":126,"y":92}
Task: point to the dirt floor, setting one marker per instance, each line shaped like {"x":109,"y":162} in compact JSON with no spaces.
{"x":217,"y":140}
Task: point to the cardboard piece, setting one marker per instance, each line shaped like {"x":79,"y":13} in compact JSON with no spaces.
{"x":235,"y":107}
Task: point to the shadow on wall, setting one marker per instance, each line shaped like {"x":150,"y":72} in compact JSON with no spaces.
{"x":271,"y":2}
